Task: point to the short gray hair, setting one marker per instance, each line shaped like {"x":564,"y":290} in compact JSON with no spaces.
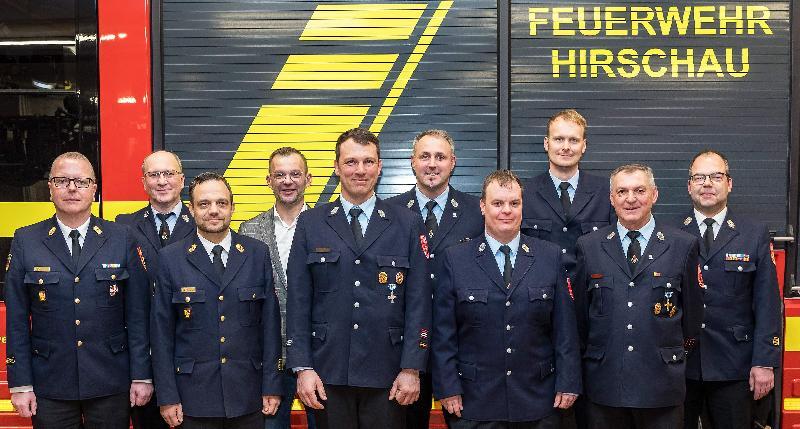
{"x":632,"y":168}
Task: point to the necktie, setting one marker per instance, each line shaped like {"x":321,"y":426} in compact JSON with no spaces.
{"x":76,"y":245}
{"x":506,"y":251}
{"x":163,"y":232}
{"x":708,"y":236}
{"x":430,"y":219}
{"x":219,"y":267}
{"x":634,"y":250}
{"x":565,"y":202}
{"x":355,"y":225}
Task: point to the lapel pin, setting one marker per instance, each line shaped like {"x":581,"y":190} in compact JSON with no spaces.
{"x":381,"y":214}
{"x":52,"y":231}
{"x":42,"y":296}
{"x":239,"y":247}
{"x":410,"y":203}
{"x":731,"y":224}
{"x":687,"y":221}
{"x":192,"y":248}
{"x":660,"y":236}
{"x":454,"y":202}
{"x":526,"y":248}
{"x":334,"y":210}
{"x":185,"y":218}
{"x":147,"y":214}
{"x":97,"y":230}
{"x":482,"y":247}
{"x":610,"y":236}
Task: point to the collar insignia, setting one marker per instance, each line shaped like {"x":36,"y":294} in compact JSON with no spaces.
{"x":334,"y":210}
{"x":192,"y":248}
{"x":455,"y":214}
{"x":482,"y":247}
{"x":147,"y":214}
{"x":52,"y":231}
{"x":410,"y":203}
{"x":650,"y":257}
{"x":185,"y":218}
{"x":660,"y":236}
{"x":454,"y":202}
{"x":97,"y":230}
{"x":381,"y":213}
{"x":526,"y":248}
{"x":731,"y":224}
{"x":687,"y":221}
{"x":610,"y":236}
{"x":239,"y":247}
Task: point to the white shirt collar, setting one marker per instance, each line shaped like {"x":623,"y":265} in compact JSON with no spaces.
{"x":718,"y":218}
{"x":65,"y":230}
{"x":441,"y":199}
{"x":176,"y":210}
{"x":277,"y":217}
{"x":208,"y":246}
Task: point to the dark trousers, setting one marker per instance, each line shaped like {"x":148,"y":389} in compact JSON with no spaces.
{"x":247,"y":421}
{"x":106,"y":412}
{"x":603,"y":417}
{"x":550,"y":422}
{"x":350,"y":407}
{"x":419,"y":413}
{"x":729,"y":404}
{"x":148,"y":416}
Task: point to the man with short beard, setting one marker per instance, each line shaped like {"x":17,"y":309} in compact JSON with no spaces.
{"x":215,"y":321}
{"x":288,"y":177}
{"x":450,"y":217}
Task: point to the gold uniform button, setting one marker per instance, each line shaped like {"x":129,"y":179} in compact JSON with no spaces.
{"x":77,"y":279}
{"x":113,"y":277}
{"x":223,"y":360}
{"x":222,"y":339}
{"x":222,"y":318}
{"x":80,"y":343}
{"x":221,"y":298}
{"x":77,"y":322}
{"x":77,"y":300}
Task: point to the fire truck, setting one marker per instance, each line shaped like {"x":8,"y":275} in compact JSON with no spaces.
{"x":223,"y":83}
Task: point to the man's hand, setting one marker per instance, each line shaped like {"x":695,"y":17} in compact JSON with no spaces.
{"x":308,"y":386}
{"x":405,"y":388}
{"x":270,"y":404}
{"x":452,"y":404}
{"x":762,"y":380}
{"x":172,"y":414}
{"x":564,"y":400}
{"x":24,"y":403}
{"x":140,"y":393}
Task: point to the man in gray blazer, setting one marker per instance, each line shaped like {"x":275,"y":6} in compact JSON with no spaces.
{"x":288,"y":178}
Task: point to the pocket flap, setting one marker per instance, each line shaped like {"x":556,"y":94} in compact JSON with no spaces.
{"x":742,"y":333}
{"x":672,"y":354}
{"x":189,"y":297}
{"x":257,"y":363}
{"x":322,"y":258}
{"x":546,"y":368}
{"x":540,"y":293}
{"x":467,"y":371}
{"x":111,"y":274}
{"x":537,"y":224}
{"x":393,"y":261}
{"x":473,"y":295}
{"x":40,"y":347}
{"x":594,"y":352}
{"x":41,"y":278}
{"x":740,"y":266}
{"x":184,"y":365}
{"x":319,"y":331}
{"x":118,"y":342}
{"x":587,"y":227}
{"x":668,"y":283}
{"x":598,"y":283}
{"x":396,"y":335}
{"x":251,"y":293}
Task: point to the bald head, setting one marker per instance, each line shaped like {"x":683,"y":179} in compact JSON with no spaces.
{"x":162,"y":178}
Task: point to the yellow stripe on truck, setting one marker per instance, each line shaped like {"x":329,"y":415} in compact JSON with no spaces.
{"x":357,"y":22}
{"x":19,"y":214}
{"x":792,"y":334}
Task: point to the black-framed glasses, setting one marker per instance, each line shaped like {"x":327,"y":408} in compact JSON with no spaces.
{"x":167,"y":174}
{"x":63,"y":182}
{"x":699,"y":179}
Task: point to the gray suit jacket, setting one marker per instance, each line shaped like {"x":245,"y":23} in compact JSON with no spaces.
{"x":262,"y":227}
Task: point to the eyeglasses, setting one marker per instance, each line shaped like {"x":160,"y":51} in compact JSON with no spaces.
{"x":63,"y":182}
{"x":167,"y":174}
{"x":293,"y":175}
{"x":699,"y":179}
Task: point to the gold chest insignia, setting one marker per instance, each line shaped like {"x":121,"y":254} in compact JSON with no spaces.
{"x":383,"y":277}
{"x":657,"y":309}
{"x":42,"y":296}
{"x":187,"y":312}
{"x":399,"y":278}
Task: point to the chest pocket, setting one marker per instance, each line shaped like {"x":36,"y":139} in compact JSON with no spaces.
{"x":392,"y":273}
{"x":738,"y":274}
{"x":539,"y":228}
{"x":473,"y":305}
{"x":189,"y":307}
{"x":41,"y":286}
{"x":110,"y":281}
{"x":323,"y":269}
{"x":251,"y":301}
{"x":601,"y":299}
{"x":666,"y":297}
{"x":541,"y":301}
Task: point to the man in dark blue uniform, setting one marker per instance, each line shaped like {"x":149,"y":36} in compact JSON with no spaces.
{"x":359,"y":299}
{"x":565,"y":203}
{"x":639,"y":308}
{"x":215,"y":321}
{"x":741,"y":336}
{"x":77,"y":302}
{"x":450,"y":217}
{"x":163,"y":221}
{"x":505,"y":344}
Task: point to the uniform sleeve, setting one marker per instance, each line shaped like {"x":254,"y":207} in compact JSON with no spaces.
{"x":766,"y":306}
{"x":299,"y":294}
{"x":692,"y":296}
{"x":581,"y":295}
{"x":18,"y":309}
{"x":271,"y":323}
{"x":418,"y":311}
{"x":137,"y":311}
{"x":565,"y":339}
{"x":162,"y":335}
{"x":444,"y":338}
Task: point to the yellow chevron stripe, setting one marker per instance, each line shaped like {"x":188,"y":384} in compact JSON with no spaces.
{"x":791,"y":340}
{"x":357,"y":71}
{"x":19,"y":214}
{"x":382,"y":21}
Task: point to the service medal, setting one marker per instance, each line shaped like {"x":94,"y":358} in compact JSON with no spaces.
{"x":42,"y":296}
{"x":399,"y":278}
{"x":187,"y":312}
{"x":657,"y":309}
{"x":383,"y":277}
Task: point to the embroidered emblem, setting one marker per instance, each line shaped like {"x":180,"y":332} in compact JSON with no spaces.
{"x":141,"y":257}
{"x":97,"y":230}
{"x":687,"y":221}
{"x":660,"y":236}
{"x":657,"y":309}
{"x":239,"y":247}
{"x":423,"y":244}
{"x":192,"y":248}
{"x":334,"y":210}
{"x":454,"y":202}
{"x":482,"y":247}
{"x":112,"y":290}
{"x":185,"y":218}
{"x":52,"y":231}
{"x":776,"y":341}
{"x":410,"y":203}
{"x":42,"y":296}
{"x":399,"y":277}
{"x":610,"y":236}
{"x":731,"y":225}
{"x":8,"y":263}
{"x":526,"y":248}
{"x":381,"y":214}
{"x":10,"y":360}
{"x":383,"y":277}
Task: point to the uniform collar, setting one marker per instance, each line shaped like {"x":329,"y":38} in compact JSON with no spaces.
{"x":367,"y":206}
{"x":208,"y":246}
{"x":423,"y":199}
{"x":175,"y":210}
{"x":495,"y":245}
{"x":65,"y":230}
{"x":573,"y":181}
{"x":718,"y":218}
{"x":646,"y":230}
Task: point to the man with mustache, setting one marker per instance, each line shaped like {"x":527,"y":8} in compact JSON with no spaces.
{"x":740,"y":344}
{"x":216,"y":321}
{"x":359,"y":299}
{"x":639,"y":307}
{"x":288,"y":179}
{"x":450,"y":216}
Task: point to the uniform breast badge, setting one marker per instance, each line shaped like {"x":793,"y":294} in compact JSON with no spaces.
{"x":113,"y":289}
{"x":399,"y":278}
{"x":187,"y":312}
{"x":657,"y":309}
{"x":383,"y":277}
{"x":42,"y":296}
{"x":391,"y":297}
